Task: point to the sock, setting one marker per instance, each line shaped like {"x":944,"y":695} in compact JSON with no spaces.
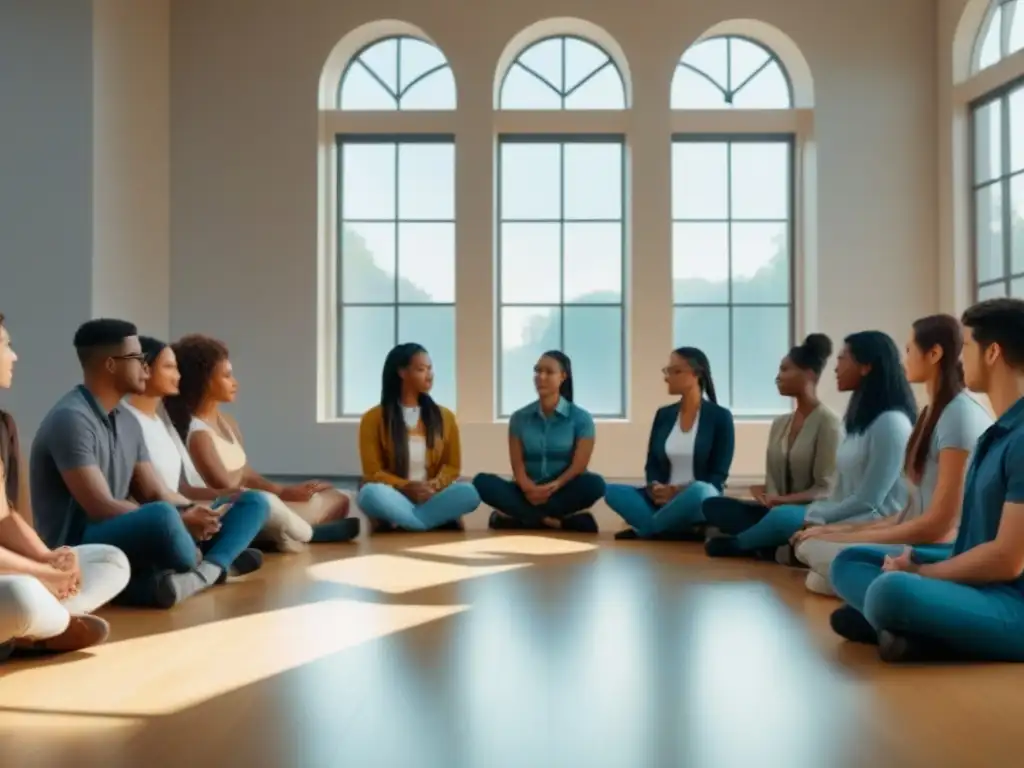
{"x":336,"y":531}
{"x":172,"y":588}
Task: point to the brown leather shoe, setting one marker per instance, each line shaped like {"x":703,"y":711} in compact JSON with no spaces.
{"x":83,"y":632}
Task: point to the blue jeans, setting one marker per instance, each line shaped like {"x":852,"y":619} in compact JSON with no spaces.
{"x":155,"y":539}
{"x":978,"y":622}
{"x":383,"y":502}
{"x":639,"y":511}
{"x":774,"y":529}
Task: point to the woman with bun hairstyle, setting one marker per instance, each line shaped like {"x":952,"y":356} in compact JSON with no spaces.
{"x":878,"y":422}
{"x":800,"y":462}
{"x":689,"y":454}
{"x":934,"y":465}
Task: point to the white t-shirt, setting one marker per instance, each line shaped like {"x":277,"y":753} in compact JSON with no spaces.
{"x":679,"y":449}
{"x":166,"y":451}
{"x":417,"y":446}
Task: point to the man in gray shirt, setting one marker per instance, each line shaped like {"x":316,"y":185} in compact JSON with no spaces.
{"x":89,"y":461}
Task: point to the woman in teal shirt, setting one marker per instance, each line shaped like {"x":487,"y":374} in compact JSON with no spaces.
{"x":550,"y":442}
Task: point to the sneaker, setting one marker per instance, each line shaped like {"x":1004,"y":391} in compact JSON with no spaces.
{"x":849,"y":623}
{"x":6,"y":649}
{"x":895,"y":649}
{"x":83,"y":631}
{"x":581,"y":522}
{"x":336,"y":531}
{"x":786,"y":555}
{"x":723,"y":546}
{"x":627,"y":534}
{"x":500,"y":522}
{"x":454,"y":525}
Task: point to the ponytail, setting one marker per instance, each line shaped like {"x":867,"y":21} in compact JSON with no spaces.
{"x":565,"y":390}
{"x":698,"y":361}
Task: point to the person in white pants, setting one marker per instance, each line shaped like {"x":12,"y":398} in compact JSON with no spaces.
{"x":46,"y":596}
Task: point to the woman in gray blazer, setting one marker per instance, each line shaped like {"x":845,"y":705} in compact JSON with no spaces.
{"x":801,"y":457}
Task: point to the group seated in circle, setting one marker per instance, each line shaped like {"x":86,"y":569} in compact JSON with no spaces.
{"x":143,"y":493}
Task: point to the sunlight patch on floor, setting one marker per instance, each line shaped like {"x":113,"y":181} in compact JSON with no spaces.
{"x":397,"y":575}
{"x":494,"y":548}
{"x":165,"y":673}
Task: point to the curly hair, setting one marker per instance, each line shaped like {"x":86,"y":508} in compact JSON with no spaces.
{"x":198,"y":357}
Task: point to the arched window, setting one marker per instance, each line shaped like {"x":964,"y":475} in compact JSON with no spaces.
{"x":730,"y":72}
{"x":563,"y":72}
{"x":732,"y":223}
{"x":560,"y":227}
{"x":395,"y":220}
{"x":997,"y":126}
{"x":1002,"y":34}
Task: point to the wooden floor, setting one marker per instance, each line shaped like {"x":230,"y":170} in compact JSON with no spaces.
{"x":497,"y":651}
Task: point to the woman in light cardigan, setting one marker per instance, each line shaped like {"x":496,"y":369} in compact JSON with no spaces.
{"x":800,"y":460}
{"x":878,"y":421}
{"x":409,"y":448}
{"x":936,"y":459}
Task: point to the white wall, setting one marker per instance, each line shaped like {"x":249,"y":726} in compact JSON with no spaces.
{"x":131,"y":174}
{"x":244,"y":77}
{"x":45,"y":194}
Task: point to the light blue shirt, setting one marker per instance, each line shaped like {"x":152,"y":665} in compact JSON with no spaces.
{"x":960,"y":425}
{"x":869,"y":468}
{"x":549,"y":442}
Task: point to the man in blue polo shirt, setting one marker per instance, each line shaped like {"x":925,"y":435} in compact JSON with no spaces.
{"x":971,"y":604}
{"x":89,"y":467}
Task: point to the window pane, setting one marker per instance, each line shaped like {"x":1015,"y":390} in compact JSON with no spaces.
{"x":691,"y":90}
{"x":367,"y":335}
{"x":593,"y":341}
{"x":367,"y":263}
{"x":531,"y":181}
{"x":768,"y":89}
{"x":1016,"y":100}
{"x":989,"y":236}
{"x":988,"y":143}
{"x":1015,"y":34}
{"x":545,"y":59}
{"x":368,"y":181}
{"x":593,"y":263}
{"x":581,"y":59}
{"x":761,"y":336}
{"x":700,"y":263}
{"x":760,"y":263}
{"x":522,"y":90}
{"x":426,"y":263}
{"x":706,"y":328}
{"x":712,"y":58}
{"x":1017,"y":221}
{"x":1017,"y":288}
{"x":526,"y":333}
{"x":382,"y":59}
{"x":530,"y":263}
{"x":416,"y":57}
{"x":700,"y":180}
{"x":760,"y":181}
{"x":426,"y":181}
{"x":992,"y":291}
{"x":745,"y":58}
{"x":602,"y":91}
{"x":359,"y":90}
{"x":435,"y":91}
{"x":434,"y":328}
{"x":593,"y":181}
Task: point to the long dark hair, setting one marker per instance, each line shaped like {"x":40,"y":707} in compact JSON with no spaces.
{"x":884,"y":388}
{"x":941,"y":331}
{"x":565,"y":390}
{"x":701,"y":367}
{"x":198,"y":357}
{"x":397,"y":360}
{"x":151,"y":348}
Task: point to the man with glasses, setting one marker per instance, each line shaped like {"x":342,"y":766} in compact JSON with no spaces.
{"x":89,"y":467}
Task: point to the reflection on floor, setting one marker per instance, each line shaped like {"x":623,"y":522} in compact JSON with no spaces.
{"x":485,"y":650}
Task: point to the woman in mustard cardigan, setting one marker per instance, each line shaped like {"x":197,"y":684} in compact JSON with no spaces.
{"x":409,"y":448}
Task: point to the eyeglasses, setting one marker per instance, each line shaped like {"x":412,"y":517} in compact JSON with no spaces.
{"x":137,"y":357}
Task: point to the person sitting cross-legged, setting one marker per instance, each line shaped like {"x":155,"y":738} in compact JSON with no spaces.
{"x":92,"y":482}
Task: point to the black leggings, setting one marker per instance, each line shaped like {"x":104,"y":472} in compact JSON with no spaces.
{"x":580,"y":493}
